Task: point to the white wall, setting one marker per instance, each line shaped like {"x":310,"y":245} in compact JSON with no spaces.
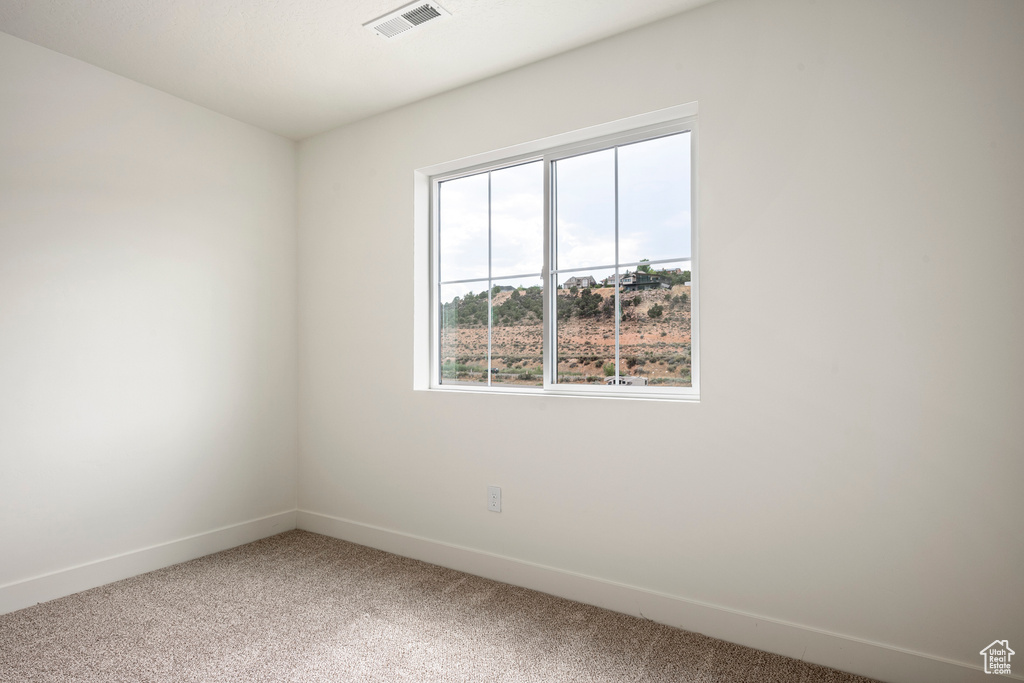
{"x":147,"y":316}
{"x":855,"y":463}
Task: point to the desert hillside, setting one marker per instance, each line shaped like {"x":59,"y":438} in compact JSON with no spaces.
{"x":654,"y":337}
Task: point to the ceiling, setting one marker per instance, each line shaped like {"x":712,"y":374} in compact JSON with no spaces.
{"x":300,"y":67}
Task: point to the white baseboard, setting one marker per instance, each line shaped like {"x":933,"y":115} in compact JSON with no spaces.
{"x":28,"y":592}
{"x":874,"y":660}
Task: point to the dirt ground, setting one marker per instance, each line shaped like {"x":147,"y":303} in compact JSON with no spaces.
{"x":658,"y":348}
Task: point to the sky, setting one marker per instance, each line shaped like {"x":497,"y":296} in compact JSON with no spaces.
{"x":654,"y":214}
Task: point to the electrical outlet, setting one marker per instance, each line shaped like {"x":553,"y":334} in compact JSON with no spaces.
{"x":494,"y":498}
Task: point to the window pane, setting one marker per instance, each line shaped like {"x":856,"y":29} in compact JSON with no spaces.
{"x":464,"y":333}
{"x":654,"y":199}
{"x":462,"y":228}
{"x":517,"y":220}
{"x":585,"y":326}
{"x":585,"y":209}
{"x":517,"y":335}
{"x":622,"y":328}
{"x":654,"y":333}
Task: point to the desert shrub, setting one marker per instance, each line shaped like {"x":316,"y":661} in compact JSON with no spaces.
{"x":465,"y":311}
{"x":588,"y":304}
{"x":608,"y":308}
{"x":520,"y":304}
{"x":564,"y":307}
{"x":655,"y":311}
{"x":609,"y":369}
{"x":676,"y":278}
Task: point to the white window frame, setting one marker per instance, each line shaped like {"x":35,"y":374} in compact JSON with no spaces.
{"x":669,"y":121}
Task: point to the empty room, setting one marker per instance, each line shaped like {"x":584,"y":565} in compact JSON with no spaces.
{"x":478,"y":340}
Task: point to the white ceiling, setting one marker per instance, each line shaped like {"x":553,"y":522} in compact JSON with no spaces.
{"x":299,"y":67}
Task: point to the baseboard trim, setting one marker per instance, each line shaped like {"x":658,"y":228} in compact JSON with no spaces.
{"x":854,"y":655}
{"x":28,"y":592}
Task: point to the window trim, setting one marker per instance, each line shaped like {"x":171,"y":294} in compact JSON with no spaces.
{"x":426,"y":335}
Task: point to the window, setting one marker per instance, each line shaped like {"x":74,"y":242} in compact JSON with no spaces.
{"x":569,"y":268}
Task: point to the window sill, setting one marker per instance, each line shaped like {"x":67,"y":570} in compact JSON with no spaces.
{"x":674,"y":397}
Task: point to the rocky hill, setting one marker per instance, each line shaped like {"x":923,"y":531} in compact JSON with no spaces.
{"x":654,"y":337}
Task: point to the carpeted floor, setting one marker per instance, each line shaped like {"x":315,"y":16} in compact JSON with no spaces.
{"x":304,"y":607}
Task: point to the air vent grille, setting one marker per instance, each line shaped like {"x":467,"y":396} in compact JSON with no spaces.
{"x":392,"y":27}
{"x":405,"y":18}
{"x":421,"y":14}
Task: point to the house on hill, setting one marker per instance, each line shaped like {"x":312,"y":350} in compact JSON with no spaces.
{"x":627,"y":380}
{"x":636,"y":282}
{"x":580,"y":281}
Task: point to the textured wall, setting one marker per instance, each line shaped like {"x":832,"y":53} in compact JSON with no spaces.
{"x":147,"y":328}
{"x":855,"y":463}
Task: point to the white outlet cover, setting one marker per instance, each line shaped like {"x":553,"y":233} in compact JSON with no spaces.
{"x":494,"y":498}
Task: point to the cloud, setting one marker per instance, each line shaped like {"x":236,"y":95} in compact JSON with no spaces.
{"x":653,"y":212}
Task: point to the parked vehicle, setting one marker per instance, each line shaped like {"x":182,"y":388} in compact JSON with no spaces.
{"x":627,"y":381}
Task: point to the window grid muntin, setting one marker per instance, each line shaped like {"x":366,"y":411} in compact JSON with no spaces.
{"x":490,"y":295}
{"x":609,"y":266}
{"x":618,"y":295}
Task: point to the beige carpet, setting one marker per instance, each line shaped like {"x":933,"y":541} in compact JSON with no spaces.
{"x":304,"y":607}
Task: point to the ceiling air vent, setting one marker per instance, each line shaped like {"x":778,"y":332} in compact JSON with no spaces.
{"x":405,"y":18}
